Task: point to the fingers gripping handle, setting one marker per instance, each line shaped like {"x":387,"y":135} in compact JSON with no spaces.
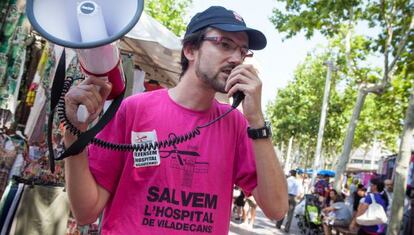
{"x":83,"y":113}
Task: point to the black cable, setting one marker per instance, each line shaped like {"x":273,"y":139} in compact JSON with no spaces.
{"x":129,"y":147}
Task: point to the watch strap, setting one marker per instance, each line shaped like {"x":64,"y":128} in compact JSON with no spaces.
{"x":260,"y":133}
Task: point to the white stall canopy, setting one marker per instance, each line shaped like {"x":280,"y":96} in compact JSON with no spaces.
{"x":156,"y":50}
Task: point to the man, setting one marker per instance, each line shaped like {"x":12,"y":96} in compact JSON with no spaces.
{"x":389,"y":189}
{"x":295,"y":193}
{"x":185,"y":188}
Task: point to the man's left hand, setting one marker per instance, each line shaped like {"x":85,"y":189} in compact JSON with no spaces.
{"x":245,"y":78}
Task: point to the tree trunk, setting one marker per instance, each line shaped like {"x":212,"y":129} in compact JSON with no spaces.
{"x":322,"y":122}
{"x":289,"y":151}
{"x":308,"y":156}
{"x":401,"y":170}
{"x":349,"y":139}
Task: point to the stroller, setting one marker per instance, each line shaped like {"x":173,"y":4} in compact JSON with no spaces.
{"x":310,"y":222}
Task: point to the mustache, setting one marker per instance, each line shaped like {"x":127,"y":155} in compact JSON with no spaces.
{"x":227,"y":67}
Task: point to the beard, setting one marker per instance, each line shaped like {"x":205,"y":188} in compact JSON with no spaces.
{"x":214,"y":80}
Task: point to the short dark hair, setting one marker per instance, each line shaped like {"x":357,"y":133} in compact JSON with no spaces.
{"x":380,"y":187}
{"x":379,"y":183}
{"x":193,"y":40}
{"x":339,"y":198}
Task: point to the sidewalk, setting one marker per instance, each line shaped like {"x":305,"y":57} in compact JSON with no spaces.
{"x":262,"y":226}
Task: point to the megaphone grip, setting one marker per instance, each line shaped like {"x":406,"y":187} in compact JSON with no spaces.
{"x":82,"y":113}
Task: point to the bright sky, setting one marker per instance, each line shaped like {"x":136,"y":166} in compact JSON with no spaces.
{"x":279,"y":59}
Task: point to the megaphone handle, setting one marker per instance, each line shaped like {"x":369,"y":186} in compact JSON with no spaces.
{"x":82,"y":113}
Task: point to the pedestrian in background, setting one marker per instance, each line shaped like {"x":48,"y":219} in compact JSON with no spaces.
{"x":389,"y":190}
{"x":336,"y":215}
{"x":295,"y":193}
{"x":377,"y":191}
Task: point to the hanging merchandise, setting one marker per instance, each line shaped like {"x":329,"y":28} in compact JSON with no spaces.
{"x":37,"y":171}
{"x":40,"y":205}
{"x":12,"y":148}
{"x":5,"y":118}
{"x":10,"y":91}
{"x":139,"y":79}
{"x":128,"y":67}
{"x":9,"y":204}
{"x":152,"y":85}
{"x":42,"y":210}
{"x":8,"y":28}
{"x":13,"y":47}
{"x":8,"y":156}
{"x":33,"y":54}
{"x":3,"y":66}
{"x":41,"y":91}
{"x":4,"y":6}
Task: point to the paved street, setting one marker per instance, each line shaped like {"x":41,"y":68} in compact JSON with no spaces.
{"x":262,"y":226}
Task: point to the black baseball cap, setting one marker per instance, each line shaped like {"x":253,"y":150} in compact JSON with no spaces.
{"x":226,"y":20}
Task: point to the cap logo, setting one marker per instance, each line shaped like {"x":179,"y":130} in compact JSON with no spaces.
{"x":238,"y":17}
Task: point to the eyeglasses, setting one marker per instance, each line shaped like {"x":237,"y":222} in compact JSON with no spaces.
{"x":229,"y":46}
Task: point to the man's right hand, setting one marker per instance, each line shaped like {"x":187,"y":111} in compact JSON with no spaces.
{"x":92,"y":92}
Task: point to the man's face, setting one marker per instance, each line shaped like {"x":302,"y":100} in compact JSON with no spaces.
{"x":214,"y":62}
{"x":388,"y":185}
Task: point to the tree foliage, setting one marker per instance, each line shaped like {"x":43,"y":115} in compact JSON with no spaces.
{"x":381,"y":116}
{"x":394,"y":22}
{"x":296,"y":109}
{"x":170,"y":13}
{"x":325,"y":16}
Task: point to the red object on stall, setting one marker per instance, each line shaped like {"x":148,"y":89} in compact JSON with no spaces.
{"x":152,"y":85}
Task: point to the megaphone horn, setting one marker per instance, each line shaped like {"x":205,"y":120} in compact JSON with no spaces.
{"x":90,"y":27}
{"x":61,"y":21}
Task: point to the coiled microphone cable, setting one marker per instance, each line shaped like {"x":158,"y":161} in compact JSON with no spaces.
{"x":237,"y":98}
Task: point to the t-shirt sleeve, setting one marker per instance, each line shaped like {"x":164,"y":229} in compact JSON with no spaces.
{"x":106,"y":164}
{"x":246,"y":176}
{"x":367,"y":199}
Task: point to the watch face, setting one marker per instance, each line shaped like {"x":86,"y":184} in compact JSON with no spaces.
{"x":269,"y":128}
{"x":261,"y":133}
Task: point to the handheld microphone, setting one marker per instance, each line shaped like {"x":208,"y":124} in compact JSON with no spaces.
{"x":237,"y":98}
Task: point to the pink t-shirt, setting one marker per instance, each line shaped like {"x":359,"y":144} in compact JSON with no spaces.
{"x":190,"y":191}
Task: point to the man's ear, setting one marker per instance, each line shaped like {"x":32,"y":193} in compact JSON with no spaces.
{"x":189,"y":52}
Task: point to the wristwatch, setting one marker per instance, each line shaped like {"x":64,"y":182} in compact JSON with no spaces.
{"x":260,"y":133}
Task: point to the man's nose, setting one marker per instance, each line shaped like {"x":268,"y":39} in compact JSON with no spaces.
{"x":236,"y":57}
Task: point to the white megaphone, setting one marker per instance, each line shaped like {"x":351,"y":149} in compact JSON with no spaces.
{"x":91,"y":27}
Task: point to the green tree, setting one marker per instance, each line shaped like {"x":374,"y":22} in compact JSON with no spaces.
{"x":394,"y":19}
{"x":170,"y":13}
{"x":296,"y":109}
